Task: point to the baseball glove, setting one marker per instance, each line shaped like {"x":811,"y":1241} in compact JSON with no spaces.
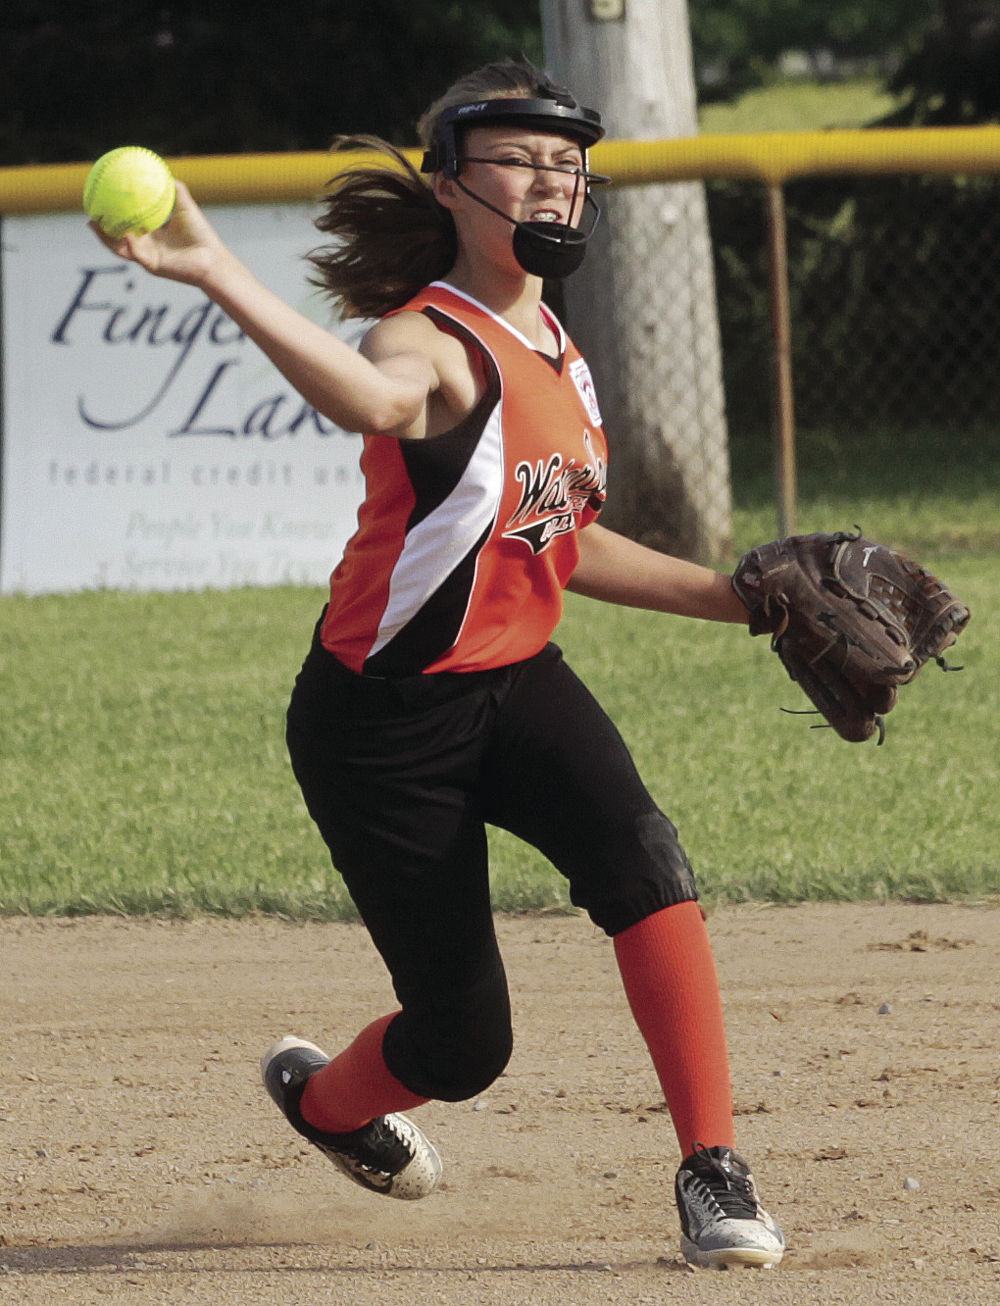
{"x":851,"y":621}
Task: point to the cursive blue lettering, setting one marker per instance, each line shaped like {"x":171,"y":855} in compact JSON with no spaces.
{"x":188,"y":426}
{"x":105,"y":306}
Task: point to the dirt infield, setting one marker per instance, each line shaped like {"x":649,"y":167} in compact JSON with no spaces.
{"x":143,"y":1163}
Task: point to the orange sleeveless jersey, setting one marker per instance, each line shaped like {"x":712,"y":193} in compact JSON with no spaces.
{"x":466,"y":541}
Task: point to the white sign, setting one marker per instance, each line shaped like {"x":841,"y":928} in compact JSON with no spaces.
{"x":147,"y":444}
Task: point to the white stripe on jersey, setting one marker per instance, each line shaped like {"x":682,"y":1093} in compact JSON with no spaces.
{"x":447,"y":534}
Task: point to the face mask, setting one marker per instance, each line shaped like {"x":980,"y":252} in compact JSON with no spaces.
{"x":543,"y":249}
{"x":547,"y":249}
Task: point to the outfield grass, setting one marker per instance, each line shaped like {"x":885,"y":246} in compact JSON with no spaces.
{"x":142,"y":763}
{"x":921,"y":490}
{"x":800,"y":106}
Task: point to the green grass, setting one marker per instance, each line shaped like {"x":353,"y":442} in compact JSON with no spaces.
{"x":771,"y":809}
{"x":920,"y":490}
{"x":143,"y":771}
{"x":799,"y":106}
{"x":142,"y":763}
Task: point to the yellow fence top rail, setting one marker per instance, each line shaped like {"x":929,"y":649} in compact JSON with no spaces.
{"x":769,"y":157}
{"x":775,"y":157}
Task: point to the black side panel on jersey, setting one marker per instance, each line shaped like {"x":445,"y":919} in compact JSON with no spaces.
{"x":435,"y":627}
{"x":435,"y":467}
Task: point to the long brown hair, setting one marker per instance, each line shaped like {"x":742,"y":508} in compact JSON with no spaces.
{"x":390,"y":235}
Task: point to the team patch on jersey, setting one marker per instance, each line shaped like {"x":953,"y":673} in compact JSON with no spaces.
{"x":584,"y":383}
{"x":554,"y":495}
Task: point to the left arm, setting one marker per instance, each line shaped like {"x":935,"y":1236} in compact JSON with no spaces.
{"x":615,"y":569}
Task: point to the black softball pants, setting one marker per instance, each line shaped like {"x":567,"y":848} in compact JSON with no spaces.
{"x":402,"y":776}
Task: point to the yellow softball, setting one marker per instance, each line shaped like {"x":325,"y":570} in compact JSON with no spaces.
{"x":129,"y":189}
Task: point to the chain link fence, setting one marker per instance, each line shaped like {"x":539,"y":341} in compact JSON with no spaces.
{"x":893,"y":288}
{"x":643,"y":313}
{"x":894,"y":293}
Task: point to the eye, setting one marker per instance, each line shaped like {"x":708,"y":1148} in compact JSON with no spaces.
{"x":571,"y":164}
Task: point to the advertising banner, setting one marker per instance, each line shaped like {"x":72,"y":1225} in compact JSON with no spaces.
{"x":147,"y":444}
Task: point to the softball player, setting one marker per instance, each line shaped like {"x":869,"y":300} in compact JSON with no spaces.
{"x":432,"y":701}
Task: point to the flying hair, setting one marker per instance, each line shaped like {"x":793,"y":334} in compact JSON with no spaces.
{"x":389,"y":235}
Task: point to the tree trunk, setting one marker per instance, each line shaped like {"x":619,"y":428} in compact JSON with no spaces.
{"x":642,"y":309}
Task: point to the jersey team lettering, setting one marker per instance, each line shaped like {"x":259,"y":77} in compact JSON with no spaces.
{"x":553,"y":496}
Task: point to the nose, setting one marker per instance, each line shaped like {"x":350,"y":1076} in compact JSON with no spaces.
{"x":547,"y":182}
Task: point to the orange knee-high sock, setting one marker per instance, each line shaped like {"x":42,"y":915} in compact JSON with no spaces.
{"x":356,"y":1086}
{"x":670,"y":980}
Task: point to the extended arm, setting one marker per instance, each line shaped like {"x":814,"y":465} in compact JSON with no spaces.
{"x":617,"y":570}
{"x":386,"y":392}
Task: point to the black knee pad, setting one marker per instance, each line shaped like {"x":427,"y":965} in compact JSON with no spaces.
{"x":635,"y":872}
{"x":452,"y":1049}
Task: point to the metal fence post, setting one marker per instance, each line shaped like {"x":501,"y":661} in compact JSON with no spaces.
{"x":781,"y":341}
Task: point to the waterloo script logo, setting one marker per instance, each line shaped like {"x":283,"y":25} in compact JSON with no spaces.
{"x":554,"y":495}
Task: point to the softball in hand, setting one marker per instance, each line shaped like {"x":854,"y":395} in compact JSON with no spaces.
{"x":129,"y":190}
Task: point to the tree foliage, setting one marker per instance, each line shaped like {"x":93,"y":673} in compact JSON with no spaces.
{"x":954,"y":75}
{"x":194,"y":78}
{"x":191,"y":78}
{"x":940,"y":57}
{"x":763,"y":29}
{"x":741,"y":39}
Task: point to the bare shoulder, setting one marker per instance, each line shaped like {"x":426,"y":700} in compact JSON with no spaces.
{"x":413,"y":333}
{"x":409,"y":332}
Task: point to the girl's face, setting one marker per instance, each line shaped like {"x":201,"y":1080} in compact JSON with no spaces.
{"x":529,"y":176}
